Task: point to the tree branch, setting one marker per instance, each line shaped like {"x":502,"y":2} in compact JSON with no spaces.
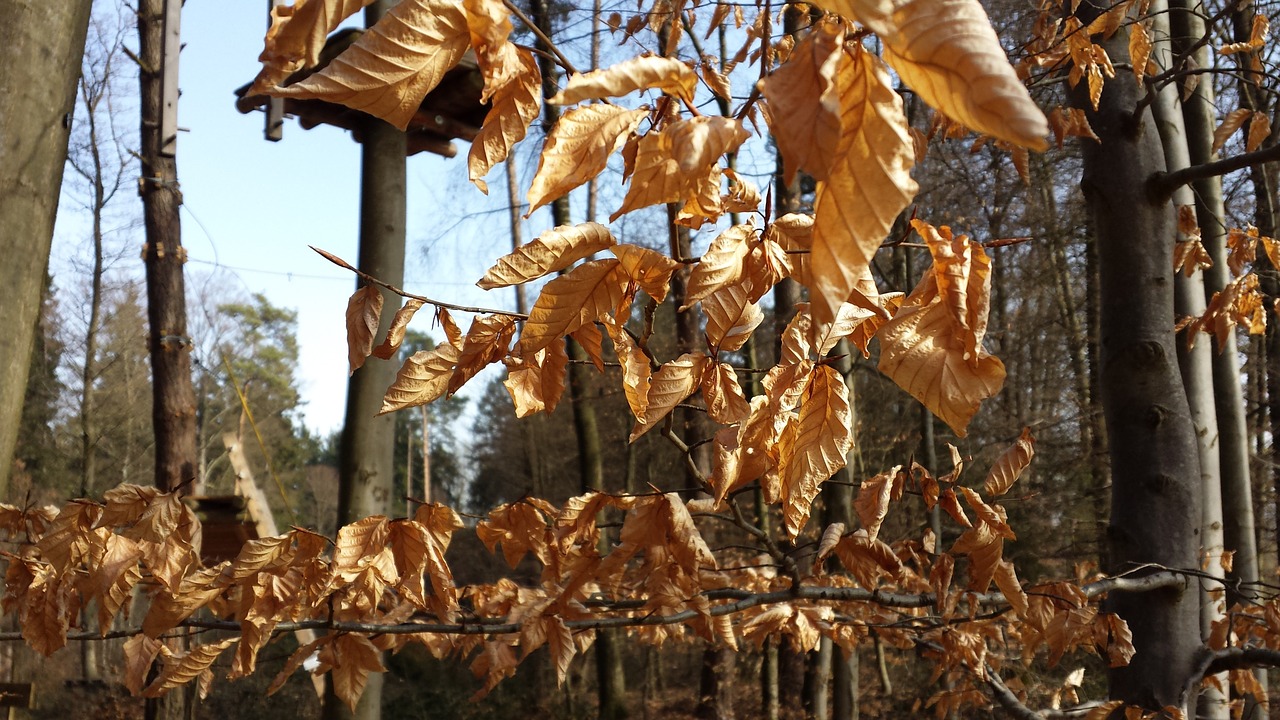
{"x":438,"y":303}
{"x":1163,"y":184}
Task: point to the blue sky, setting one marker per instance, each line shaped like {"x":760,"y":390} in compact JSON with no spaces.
{"x":251,"y":207}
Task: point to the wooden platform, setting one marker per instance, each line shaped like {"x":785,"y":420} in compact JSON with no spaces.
{"x":452,"y":111}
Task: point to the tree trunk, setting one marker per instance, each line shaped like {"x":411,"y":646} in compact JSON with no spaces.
{"x":40,"y":49}
{"x":173,"y":408}
{"x":1196,"y":364}
{"x":366,"y":450}
{"x":1155,"y":509}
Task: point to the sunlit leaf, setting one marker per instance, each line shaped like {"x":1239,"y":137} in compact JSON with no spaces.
{"x":720,"y":265}
{"x":1010,"y":465}
{"x":804,"y":109}
{"x":388,"y":71}
{"x":296,"y":37}
{"x":423,"y":378}
{"x":582,"y":295}
{"x":932,"y":348}
{"x":515,"y":104}
{"x":182,"y":669}
{"x":869,"y":183}
{"x":486,"y":343}
{"x":650,"y":271}
{"x":553,"y":250}
{"x":824,"y":438}
{"x":395,"y":334}
{"x":668,"y":387}
{"x":726,"y":403}
{"x":364,"y":311}
{"x":578,"y":148}
{"x":638,"y":73}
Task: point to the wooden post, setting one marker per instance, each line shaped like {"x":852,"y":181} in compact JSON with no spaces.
{"x":173,"y":405}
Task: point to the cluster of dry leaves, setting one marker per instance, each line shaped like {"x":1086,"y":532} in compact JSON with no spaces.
{"x":384,"y":583}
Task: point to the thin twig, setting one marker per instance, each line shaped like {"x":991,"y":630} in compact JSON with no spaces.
{"x":438,"y":303}
{"x":560,"y":58}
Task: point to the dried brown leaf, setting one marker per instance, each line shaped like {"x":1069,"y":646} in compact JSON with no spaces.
{"x":1010,"y":465}
{"x":423,"y":378}
{"x":394,"y":64}
{"x":553,"y":250}
{"x":364,"y":311}
{"x":578,"y":148}
{"x":639,"y":73}
{"x":583,"y":295}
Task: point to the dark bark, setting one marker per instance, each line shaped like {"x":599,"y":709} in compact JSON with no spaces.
{"x":610,"y":680}
{"x":173,"y":407}
{"x":1155,"y":512}
{"x":40,"y":49}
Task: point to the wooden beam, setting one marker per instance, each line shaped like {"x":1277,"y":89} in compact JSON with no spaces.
{"x":169,"y":77}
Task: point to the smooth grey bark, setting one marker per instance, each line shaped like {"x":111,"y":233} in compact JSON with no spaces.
{"x":1201,"y":117}
{"x":366,"y":449}
{"x":1195,"y":363}
{"x":41,"y":44}
{"x":1155,"y":513}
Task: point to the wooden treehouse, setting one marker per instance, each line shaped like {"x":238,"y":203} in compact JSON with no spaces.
{"x":451,"y":111}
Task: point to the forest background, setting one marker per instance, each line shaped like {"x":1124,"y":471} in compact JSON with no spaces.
{"x":1042,"y":323}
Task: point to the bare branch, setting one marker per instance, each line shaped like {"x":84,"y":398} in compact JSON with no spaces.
{"x":1163,"y":184}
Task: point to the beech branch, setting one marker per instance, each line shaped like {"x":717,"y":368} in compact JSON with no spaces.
{"x":392,"y":288}
{"x":741,"y":600}
{"x":1164,"y":183}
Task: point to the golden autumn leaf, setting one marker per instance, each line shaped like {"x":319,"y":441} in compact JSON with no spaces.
{"x":424,"y":377}
{"x":731,"y":317}
{"x":113,"y":576}
{"x":296,"y":37}
{"x":1242,"y":248}
{"x":947,"y":51}
{"x":872,"y":503}
{"x":1232,"y":122}
{"x":553,"y":250}
{"x":1007,"y":580}
{"x":536,"y":382}
{"x":515,"y":104}
{"x":670,"y":164}
{"x":650,"y":271}
{"x":726,"y":404}
{"x":364,"y":311}
{"x":698,"y":142}
{"x":1070,"y":122}
{"x":489,"y":29}
{"x":824,"y":437}
{"x":1259,"y":131}
{"x":1139,"y":50}
{"x":721,"y":265}
{"x":1010,"y":465}
{"x":869,"y":183}
{"x":668,"y":387}
{"x":1190,"y":257}
{"x":636,"y":369}
{"x":1257,"y":37}
{"x":395,"y":334}
{"x":582,"y":295}
{"x":716,"y":81}
{"x":182,"y":669}
{"x":932,"y":348}
{"x":578,"y":148}
{"x":486,"y":343}
{"x":352,"y":657}
{"x":804,"y":102}
{"x":590,"y":339}
{"x":140,"y":652}
{"x":388,"y":71}
{"x":639,"y":73}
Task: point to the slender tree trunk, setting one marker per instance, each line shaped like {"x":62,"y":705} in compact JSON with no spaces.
{"x":366,"y":450}
{"x":173,"y":413}
{"x":1196,"y":364}
{"x":1236,"y":493}
{"x":41,"y":45}
{"x":611,"y":681}
{"x":1155,"y":491}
